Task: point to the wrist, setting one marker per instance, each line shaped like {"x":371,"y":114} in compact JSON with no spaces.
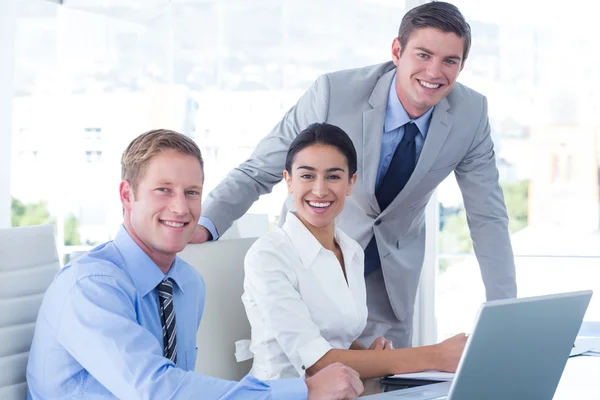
{"x":309,"y":388}
{"x":435,"y":357}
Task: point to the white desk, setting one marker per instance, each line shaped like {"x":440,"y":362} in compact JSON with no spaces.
{"x":580,"y":379}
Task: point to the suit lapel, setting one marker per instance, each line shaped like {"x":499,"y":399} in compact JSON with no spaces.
{"x":439,"y":128}
{"x":373,"y":120}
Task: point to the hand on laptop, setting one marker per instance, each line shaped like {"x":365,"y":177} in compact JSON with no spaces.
{"x":334,"y":382}
{"x":450,"y":351}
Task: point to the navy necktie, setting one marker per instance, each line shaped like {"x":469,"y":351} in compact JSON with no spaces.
{"x":400,"y":169}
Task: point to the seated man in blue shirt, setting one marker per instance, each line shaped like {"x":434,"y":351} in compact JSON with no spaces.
{"x":121,"y":321}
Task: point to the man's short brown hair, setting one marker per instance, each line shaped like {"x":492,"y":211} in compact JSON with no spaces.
{"x":140,"y":151}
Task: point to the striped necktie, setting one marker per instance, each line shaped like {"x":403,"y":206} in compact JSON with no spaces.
{"x":167,"y":318}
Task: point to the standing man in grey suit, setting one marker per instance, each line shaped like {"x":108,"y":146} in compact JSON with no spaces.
{"x":412,"y":125}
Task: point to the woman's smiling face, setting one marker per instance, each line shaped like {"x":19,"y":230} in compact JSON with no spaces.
{"x":319,"y":180}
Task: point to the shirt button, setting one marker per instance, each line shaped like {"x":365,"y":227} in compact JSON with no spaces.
{"x":303,"y":368}
{"x":378,"y":222}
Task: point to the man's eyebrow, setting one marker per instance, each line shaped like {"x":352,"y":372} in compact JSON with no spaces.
{"x":424,"y":50}
{"x":166,"y":182}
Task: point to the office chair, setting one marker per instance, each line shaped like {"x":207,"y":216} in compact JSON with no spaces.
{"x":28,"y":264}
{"x":224,"y":321}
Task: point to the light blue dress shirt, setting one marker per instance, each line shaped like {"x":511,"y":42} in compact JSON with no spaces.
{"x":393,"y":130}
{"x":98,"y":334}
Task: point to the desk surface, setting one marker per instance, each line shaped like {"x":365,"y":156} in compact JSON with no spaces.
{"x":580,"y":380}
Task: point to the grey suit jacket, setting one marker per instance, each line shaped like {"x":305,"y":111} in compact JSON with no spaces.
{"x":458,"y":140}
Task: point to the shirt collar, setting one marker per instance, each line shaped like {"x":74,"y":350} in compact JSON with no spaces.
{"x":308,"y":247}
{"x":396,"y":116}
{"x":144,"y":273}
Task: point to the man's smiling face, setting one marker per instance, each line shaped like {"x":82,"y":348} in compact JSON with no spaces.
{"x":427,"y":68}
{"x":162,"y":212}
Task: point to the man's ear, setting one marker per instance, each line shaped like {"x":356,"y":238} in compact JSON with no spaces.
{"x":396,"y":50}
{"x":288,"y":181}
{"x":126,"y":194}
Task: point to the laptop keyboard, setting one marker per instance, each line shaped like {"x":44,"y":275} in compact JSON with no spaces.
{"x":422,"y":396}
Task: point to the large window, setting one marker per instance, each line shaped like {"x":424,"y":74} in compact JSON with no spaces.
{"x":92,"y":75}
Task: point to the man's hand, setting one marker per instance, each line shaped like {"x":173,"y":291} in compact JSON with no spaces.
{"x":334,"y":382}
{"x":450,"y":351}
{"x":381,"y":343}
{"x":201,"y":235}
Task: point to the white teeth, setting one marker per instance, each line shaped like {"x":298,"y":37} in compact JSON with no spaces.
{"x":429,"y":85}
{"x":174,"y":224}
{"x":319,"y":205}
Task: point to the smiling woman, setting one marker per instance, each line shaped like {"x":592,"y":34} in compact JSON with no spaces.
{"x":304,"y":286}
{"x":320,"y":171}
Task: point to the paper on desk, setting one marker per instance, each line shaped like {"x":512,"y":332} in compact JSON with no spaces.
{"x":586,"y":346}
{"x":427,"y":375}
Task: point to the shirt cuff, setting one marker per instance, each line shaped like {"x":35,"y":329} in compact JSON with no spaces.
{"x":310,"y":353}
{"x":208,"y":224}
{"x":288,"y":389}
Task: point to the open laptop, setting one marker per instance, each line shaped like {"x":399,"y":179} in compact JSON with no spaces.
{"x":518,"y":350}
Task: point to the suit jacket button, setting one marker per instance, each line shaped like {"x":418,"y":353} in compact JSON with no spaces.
{"x":378,"y":222}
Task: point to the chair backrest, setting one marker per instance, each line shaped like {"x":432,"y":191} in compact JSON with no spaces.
{"x":28,"y":264}
{"x":247,"y":226}
{"x":224,"y":321}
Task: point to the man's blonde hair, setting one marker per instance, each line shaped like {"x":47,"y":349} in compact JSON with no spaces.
{"x":140,"y":151}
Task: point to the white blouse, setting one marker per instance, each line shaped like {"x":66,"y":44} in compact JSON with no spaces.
{"x":298,"y":302}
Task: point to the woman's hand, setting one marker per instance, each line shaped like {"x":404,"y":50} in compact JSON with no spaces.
{"x":381,"y":343}
{"x":450,"y":351}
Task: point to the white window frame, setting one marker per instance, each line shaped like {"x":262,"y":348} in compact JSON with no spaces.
{"x":425,"y":323}
{"x":8,"y":17}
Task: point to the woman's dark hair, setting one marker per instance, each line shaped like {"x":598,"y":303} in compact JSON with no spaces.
{"x":325,"y":135}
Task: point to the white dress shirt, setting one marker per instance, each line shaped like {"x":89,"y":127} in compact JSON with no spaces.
{"x":297,"y":300}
